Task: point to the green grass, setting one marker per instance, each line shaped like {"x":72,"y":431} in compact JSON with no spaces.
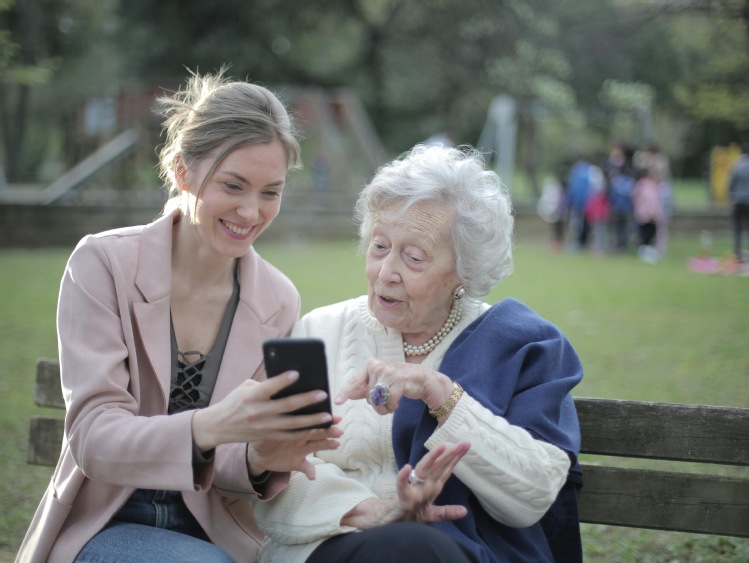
{"x":28,"y":293}
{"x":656,"y":333}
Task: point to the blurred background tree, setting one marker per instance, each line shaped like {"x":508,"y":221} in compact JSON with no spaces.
{"x":585,"y":73}
{"x":53,"y":55}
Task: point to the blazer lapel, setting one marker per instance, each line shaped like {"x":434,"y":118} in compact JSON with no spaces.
{"x":154,"y":280}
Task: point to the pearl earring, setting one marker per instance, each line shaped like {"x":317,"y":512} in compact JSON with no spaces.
{"x":459,"y":293}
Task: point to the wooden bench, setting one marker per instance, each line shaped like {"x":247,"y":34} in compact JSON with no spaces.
{"x":636,"y":498}
{"x":45,"y":433}
{"x":673,"y":500}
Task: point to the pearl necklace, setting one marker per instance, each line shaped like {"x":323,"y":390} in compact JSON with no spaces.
{"x":423,"y":349}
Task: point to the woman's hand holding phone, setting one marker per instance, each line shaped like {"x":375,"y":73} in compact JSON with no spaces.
{"x":306,"y":356}
{"x":277,"y":441}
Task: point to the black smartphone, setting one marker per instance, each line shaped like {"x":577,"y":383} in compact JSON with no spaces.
{"x":307,"y":356}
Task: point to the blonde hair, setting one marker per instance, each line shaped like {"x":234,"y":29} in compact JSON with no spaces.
{"x":211,"y":112}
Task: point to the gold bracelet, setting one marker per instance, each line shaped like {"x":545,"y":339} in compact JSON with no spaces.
{"x":448,"y":406}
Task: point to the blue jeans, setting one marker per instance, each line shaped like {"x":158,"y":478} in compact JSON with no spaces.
{"x":399,"y":542}
{"x":152,"y":526}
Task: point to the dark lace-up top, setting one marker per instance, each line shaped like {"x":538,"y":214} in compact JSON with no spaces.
{"x":193,"y":373}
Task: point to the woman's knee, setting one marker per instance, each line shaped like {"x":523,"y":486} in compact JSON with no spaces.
{"x":134,"y":543}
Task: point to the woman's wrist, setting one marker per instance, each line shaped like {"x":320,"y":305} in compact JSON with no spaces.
{"x":254,"y":469}
{"x":202,"y":435}
{"x":441,"y":390}
{"x":448,"y":406}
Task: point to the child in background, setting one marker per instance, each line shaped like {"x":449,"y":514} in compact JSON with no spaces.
{"x":648,"y":209}
{"x":622,"y":184}
{"x":552,"y":208}
{"x":597,"y":211}
{"x":665,"y":191}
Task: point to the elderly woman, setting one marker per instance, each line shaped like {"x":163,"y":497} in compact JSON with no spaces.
{"x":420,"y":365}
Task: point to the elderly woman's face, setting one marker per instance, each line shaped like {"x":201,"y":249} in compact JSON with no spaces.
{"x":410,"y":267}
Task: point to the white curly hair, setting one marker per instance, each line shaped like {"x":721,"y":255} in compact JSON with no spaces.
{"x":457,"y":177}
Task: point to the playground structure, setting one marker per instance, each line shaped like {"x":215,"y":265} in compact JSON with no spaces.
{"x":340,"y":147}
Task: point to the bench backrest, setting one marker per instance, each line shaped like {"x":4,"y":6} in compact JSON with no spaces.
{"x":679,"y":500}
{"x":45,"y":433}
{"x":640,"y":498}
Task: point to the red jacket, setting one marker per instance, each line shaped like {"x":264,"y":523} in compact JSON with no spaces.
{"x":597,"y":208}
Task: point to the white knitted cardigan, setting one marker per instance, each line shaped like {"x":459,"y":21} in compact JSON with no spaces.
{"x":515,"y":477}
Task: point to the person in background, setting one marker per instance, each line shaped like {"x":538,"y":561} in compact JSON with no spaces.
{"x":552,"y":207}
{"x":419,"y":366}
{"x":559,"y":224}
{"x":621,"y":187}
{"x":666,"y":194}
{"x":597,"y":211}
{"x":651,"y":160}
{"x":619,"y":156}
{"x":650,"y":157}
{"x":648,"y":212}
{"x":170,"y":432}
{"x":578,"y":191}
{"x":738,"y":191}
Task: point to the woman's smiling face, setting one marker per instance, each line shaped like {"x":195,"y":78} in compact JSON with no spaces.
{"x":241,"y":197}
{"x":410,"y":267}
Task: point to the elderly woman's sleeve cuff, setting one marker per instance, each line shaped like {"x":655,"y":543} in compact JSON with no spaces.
{"x":454,"y":428}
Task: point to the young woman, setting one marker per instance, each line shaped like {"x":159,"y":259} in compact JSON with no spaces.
{"x":170,"y":432}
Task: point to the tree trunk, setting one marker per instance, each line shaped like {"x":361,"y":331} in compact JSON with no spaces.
{"x":14,"y":119}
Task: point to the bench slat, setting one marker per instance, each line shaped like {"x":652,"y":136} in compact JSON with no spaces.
{"x":45,"y":440}
{"x":664,"y":431}
{"x":45,"y":433}
{"x":48,"y":391}
{"x":703,"y":504}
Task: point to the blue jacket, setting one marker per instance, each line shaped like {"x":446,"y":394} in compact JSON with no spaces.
{"x":738,"y":186}
{"x":578,"y":186}
{"x":523,"y":368}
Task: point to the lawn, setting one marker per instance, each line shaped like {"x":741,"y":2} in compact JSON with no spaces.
{"x":657,"y":333}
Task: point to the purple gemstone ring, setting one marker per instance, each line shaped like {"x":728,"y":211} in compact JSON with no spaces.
{"x":379,"y":395}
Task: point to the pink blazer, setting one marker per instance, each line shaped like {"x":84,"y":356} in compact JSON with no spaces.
{"x":114,"y":343}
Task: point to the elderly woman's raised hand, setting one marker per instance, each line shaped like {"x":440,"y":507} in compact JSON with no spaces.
{"x":393,"y":380}
{"x":417,"y":489}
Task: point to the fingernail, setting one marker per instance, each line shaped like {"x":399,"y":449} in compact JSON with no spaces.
{"x":326,"y":418}
{"x":293,"y":375}
{"x":320,"y":395}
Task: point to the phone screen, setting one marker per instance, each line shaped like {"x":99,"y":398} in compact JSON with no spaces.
{"x":307,"y":356}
